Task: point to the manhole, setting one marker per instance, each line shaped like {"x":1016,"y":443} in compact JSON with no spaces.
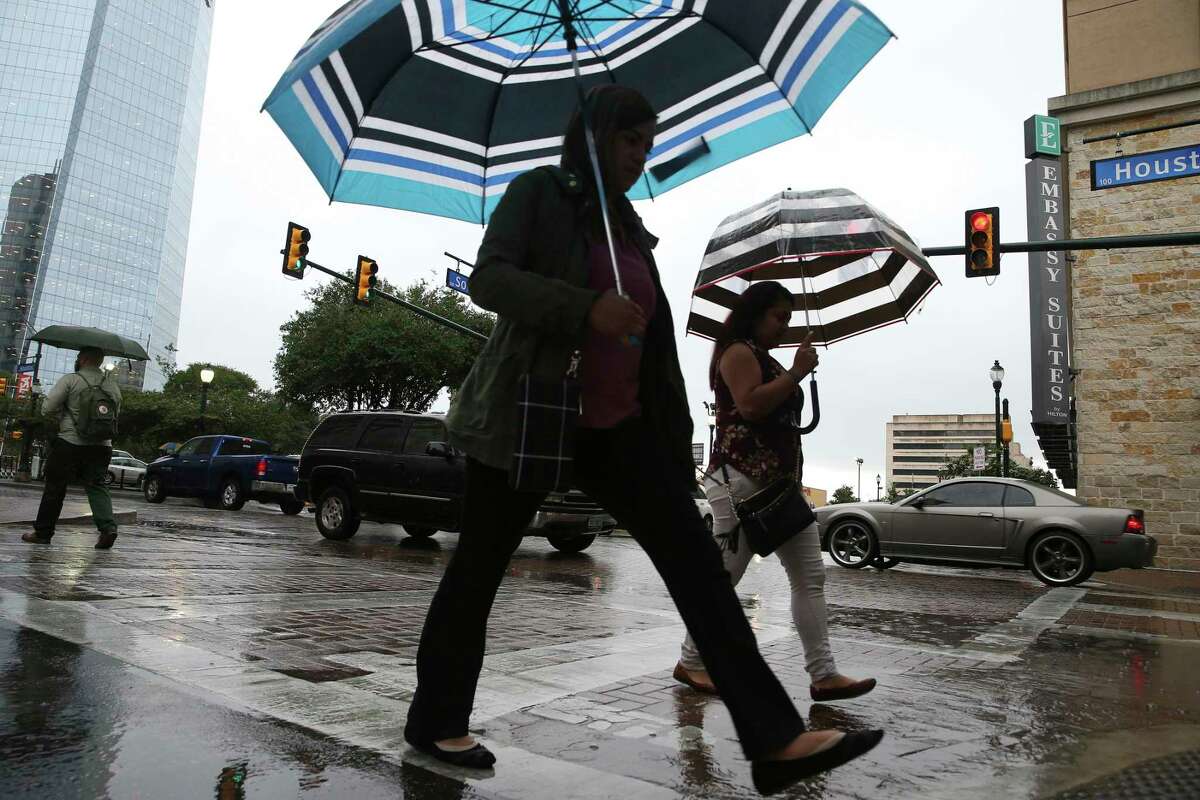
{"x":1171,"y":777}
{"x":324,"y":675}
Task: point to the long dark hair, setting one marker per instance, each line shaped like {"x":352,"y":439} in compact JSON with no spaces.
{"x":745,"y":316}
{"x":612,"y":109}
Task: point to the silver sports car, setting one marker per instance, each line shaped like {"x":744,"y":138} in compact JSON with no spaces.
{"x":989,"y":522}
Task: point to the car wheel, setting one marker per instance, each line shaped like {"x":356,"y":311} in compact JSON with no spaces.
{"x":708,"y":522}
{"x":109,"y":479}
{"x":230,"y":497}
{"x":852,"y":544}
{"x":572,"y":544}
{"x":291,"y":507}
{"x":153,"y":490}
{"x":883,"y":562}
{"x":1060,"y":559}
{"x":336,"y":518}
{"x":419,"y":531}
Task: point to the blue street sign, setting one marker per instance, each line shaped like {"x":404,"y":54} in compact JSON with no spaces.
{"x":1159,"y":165}
{"x":28,"y":366}
{"x":457,"y":281}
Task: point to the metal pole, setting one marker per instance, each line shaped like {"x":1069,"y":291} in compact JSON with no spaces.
{"x":999,"y":443}
{"x":1094,"y":243}
{"x":203,"y":404}
{"x":859,"y":461}
{"x":449,"y":323}
{"x":1004,"y":463}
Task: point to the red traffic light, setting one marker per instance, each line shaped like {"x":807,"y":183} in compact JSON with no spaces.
{"x":981,"y":221}
{"x":982,"y":240}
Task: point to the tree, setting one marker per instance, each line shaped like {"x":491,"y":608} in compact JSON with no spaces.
{"x":843,"y":494}
{"x":964,"y":467}
{"x":894,"y":495}
{"x":335,"y":355}
{"x":236,"y":405}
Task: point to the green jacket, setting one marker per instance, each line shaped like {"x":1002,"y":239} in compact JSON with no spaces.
{"x":532,"y":272}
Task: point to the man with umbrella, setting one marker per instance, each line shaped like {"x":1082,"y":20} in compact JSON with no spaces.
{"x":76,"y":453}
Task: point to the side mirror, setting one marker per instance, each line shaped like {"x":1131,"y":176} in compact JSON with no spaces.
{"x":918,"y":503}
{"x":170,"y":449}
{"x":439,"y":449}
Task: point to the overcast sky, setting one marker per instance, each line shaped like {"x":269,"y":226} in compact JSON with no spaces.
{"x":930,"y":128}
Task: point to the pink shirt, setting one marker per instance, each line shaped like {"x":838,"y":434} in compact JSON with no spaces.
{"x":609,"y":369}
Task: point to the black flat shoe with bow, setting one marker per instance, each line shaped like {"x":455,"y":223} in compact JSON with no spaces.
{"x":477,"y":757}
{"x":772,"y":776}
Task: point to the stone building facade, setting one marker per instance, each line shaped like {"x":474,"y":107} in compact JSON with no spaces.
{"x":1135,"y":322}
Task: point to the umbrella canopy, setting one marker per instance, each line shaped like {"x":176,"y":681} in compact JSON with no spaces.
{"x":850,"y":269}
{"x":72,"y":337}
{"x":436,"y":105}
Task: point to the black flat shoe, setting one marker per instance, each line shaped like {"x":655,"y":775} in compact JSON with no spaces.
{"x":856,"y":689}
{"x":771,"y":776}
{"x":478,"y":757}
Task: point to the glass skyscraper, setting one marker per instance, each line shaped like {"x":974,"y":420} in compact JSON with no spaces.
{"x":100,"y":105}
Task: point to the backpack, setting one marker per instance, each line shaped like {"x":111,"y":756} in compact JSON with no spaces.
{"x":97,"y":420}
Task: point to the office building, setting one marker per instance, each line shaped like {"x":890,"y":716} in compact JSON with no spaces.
{"x":920,"y":445}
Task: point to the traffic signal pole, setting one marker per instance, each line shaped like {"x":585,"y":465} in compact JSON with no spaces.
{"x":1094,"y":243}
{"x":427,"y":314}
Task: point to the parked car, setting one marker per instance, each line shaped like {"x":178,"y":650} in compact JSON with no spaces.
{"x":393,"y":467}
{"x":703,"y":506}
{"x":125,"y":471}
{"x":998,"y":522}
{"x":224,"y":472}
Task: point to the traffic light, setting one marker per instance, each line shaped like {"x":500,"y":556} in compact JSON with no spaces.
{"x":1006,"y":429}
{"x":983,"y":236}
{"x":295,"y":250}
{"x":365,"y":281}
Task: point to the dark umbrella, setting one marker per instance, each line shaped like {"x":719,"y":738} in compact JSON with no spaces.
{"x":72,"y":337}
{"x":849,"y":267}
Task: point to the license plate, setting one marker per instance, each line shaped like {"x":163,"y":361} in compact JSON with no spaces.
{"x":595,"y":523}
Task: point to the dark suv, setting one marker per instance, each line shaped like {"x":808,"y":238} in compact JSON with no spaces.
{"x":393,"y":467}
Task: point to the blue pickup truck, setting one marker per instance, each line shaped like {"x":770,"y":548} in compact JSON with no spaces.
{"x":224,"y":472}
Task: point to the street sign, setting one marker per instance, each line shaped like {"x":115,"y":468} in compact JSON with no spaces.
{"x":457,"y":281}
{"x":980,"y":458}
{"x":28,"y":366}
{"x":1042,"y":137}
{"x":1157,"y":165}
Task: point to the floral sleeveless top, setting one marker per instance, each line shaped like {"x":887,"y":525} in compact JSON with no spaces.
{"x":763,"y":450}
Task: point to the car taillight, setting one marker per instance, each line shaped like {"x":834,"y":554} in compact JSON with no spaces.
{"x":1134,"y":524}
{"x":262,"y":468}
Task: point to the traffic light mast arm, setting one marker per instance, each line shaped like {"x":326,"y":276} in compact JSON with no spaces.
{"x":449,"y":323}
{"x":1094,"y":243}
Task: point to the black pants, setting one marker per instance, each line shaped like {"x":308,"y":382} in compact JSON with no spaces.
{"x":67,"y":463}
{"x":622,"y":470}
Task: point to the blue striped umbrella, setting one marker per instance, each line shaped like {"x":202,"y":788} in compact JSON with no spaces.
{"x":436,"y":105}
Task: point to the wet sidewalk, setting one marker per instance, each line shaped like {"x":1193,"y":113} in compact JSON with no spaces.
{"x":19,"y":507}
{"x":989,"y":686}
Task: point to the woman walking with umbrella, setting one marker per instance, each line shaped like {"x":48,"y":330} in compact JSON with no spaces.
{"x":757,"y":442}
{"x":545,"y":269}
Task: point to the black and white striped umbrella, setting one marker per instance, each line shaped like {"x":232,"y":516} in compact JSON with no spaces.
{"x":849,"y":267}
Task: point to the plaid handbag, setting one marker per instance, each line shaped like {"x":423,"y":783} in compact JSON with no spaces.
{"x":547,"y":413}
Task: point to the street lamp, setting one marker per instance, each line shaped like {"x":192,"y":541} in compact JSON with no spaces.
{"x":206,"y":377}
{"x":878,"y":488}
{"x":997,"y":376}
{"x":710,"y":410}
{"x":859,"y":462}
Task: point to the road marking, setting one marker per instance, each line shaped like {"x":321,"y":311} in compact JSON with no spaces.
{"x":1013,"y":637}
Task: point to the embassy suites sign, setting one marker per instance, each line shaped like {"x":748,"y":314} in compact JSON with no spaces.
{"x":1049,"y":301}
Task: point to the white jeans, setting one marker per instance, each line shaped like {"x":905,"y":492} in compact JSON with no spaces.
{"x":801,"y":557}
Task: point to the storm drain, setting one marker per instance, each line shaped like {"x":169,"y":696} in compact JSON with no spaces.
{"x":324,"y":675}
{"x":1167,"y":778}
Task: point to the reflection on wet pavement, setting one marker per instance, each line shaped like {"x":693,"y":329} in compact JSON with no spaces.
{"x":990,"y":685}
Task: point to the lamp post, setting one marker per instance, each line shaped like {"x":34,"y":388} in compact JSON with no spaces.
{"x":878,"y":488}
{"x":710,"y":411}
{"x":859,"y":461}
{"x":206,"y":377}
{"x":997,"y":375}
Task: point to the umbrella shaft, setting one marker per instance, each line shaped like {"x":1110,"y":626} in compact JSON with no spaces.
{"x":595,"y":159}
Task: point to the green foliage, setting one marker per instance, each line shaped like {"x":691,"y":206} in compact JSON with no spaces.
{"x":338,"y":356}
{"x":963,"y":467}
{"x":894,"y":495}
{"x":236,"y":405}
{"x":843,"y":494}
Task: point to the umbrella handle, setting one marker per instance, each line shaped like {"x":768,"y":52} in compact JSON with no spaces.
{"x":816,"y":407}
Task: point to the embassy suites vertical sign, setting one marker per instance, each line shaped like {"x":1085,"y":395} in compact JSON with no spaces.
{"x":1049,"y":302}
